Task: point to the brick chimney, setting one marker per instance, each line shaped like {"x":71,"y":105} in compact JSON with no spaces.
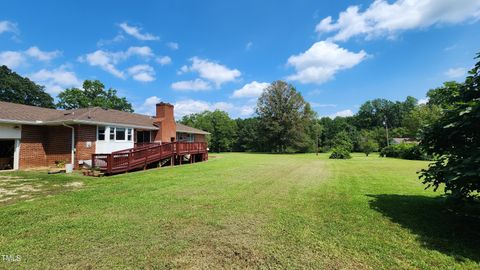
{"x":165,"y":119}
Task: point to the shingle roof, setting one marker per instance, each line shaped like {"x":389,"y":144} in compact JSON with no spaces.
{"x":186,"y":129}
{"x":19,"y":113}
{"x":11,"y":112}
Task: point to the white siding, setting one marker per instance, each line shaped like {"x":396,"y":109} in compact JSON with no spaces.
{"x":10,"y":132}
{"x":107,"y":146}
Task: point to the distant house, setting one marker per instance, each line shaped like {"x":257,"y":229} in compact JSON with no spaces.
{"x":403,"y":140}
{"x":33,"y":137}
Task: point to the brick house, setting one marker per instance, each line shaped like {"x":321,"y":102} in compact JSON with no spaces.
{"x":32,"y":137}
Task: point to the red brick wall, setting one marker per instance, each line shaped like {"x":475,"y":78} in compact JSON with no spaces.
{"x":32,"y":150}
{"x":58,"y":144}
{"x":85,"y":134}
{"x":41,"y":146}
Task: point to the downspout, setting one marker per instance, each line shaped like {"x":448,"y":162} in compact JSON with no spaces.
{"x":73,"y":143}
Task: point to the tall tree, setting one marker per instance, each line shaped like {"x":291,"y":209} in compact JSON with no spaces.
{"x":219,"y":124}
{"x":444,"y":96}
{"x":455,"y":140}
{"x":420,"y":117}
{"x":93,"y":94}
{"x":282,"y":112}
{"x":17,"y":89}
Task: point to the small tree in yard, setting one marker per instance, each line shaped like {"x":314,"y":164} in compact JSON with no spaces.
{"x":342,"y":146}
{"x":368,"y":146}
{"x":455,"y":140}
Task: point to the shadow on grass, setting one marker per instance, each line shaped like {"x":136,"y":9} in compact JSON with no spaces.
{"x":437,"y":228}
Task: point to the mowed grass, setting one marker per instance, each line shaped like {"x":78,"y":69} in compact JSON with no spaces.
{"x":243,"y":211}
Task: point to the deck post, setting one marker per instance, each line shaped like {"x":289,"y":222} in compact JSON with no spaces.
{"x":109,"y":163}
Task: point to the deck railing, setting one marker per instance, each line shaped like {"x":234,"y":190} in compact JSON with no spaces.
{"x":142,"y":155}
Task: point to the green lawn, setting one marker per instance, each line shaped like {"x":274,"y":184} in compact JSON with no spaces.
{"x":237,"y":211}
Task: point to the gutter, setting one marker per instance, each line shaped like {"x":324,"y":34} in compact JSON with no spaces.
{"x":73,"y":142}
{"x":50,"y":123}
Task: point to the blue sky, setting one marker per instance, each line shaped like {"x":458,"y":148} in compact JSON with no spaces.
{"x":219,"y":54}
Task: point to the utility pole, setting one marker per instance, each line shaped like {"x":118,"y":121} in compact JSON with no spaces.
{"x":386,"y":128}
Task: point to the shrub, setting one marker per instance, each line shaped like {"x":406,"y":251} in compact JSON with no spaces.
{"x":368,"y":146}
{"x":340,"y":153}
{"x":405,"y":151}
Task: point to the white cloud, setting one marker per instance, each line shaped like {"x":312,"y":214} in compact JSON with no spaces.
{"x":248,"y":46}
{"x":319,"y":105}
{"x":384,"y":19}
{"x":142,"y":73}
{"x":190,"y":106}
{"x":136,"y":32}
{"x":194,"y":85}
{"x":321,"y":61}
{"x":455,"y":73}
{"x":148,"y":106}
{"x":343,"y":113}
{"x":117,"y":38}
{"x":56,"y":80}
{"x":7,"y":26}
{"x":104,"y":60}
{"x":12,"y":59}
{"x":246,"y":111}
{"x":164,"y":60}
{"x":251,"y":90}
{"x":38,"y":54}
{"x":422,"y":101}
{"x":173,"y":45}
{"x":108,"y":60}
{"x":214,"y":72}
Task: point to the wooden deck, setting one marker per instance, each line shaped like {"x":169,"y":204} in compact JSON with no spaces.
{"x":144,"y":155}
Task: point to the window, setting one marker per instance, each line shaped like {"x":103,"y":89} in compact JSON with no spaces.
{"x":112,"y":133}
{"x":119,"y":134}
{"x":101,"y":133}
{"x":129,"y":134}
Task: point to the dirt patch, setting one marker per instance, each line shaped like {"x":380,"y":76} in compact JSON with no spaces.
{"x":74,"y":184}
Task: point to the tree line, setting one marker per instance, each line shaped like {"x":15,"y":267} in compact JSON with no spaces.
{"x":285,"y":123}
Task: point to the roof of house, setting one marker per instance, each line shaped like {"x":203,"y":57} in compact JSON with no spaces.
{"x":25,"y":114}
{"x":186,"y":129}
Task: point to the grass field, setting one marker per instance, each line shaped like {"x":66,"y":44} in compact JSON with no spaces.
{"x":236,"y":211}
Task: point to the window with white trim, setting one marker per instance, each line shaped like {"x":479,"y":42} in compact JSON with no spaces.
{"x":119,"y":134}
{"x":129,"y":134}
{"x":101,"y":133}
{"x":112,"y":133}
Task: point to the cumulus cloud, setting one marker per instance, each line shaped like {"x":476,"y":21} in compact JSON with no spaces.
{"x":15,"y":59}
{"x":136,"y":32}
{"x":38,"y":54}
{"x":173,"y":45}
{"x":422,"y":101}
{"x":212,"y":71}
{"x":382,"y":18}
{"x":107,"y":60}
{"x":322,"y":61}
{"x":344,"y":113}
{"x":250,"y":90}
{"x":56,"y":80}
{"x":164,"y":60}
{"x":148,"y":106}
{"x":194,"y":85}
{"x":456,"y":73}
{"x":7,"y":26}
{"x":189,"y":106}
{"x":12,"y":59}
{"x":142,"y":73}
